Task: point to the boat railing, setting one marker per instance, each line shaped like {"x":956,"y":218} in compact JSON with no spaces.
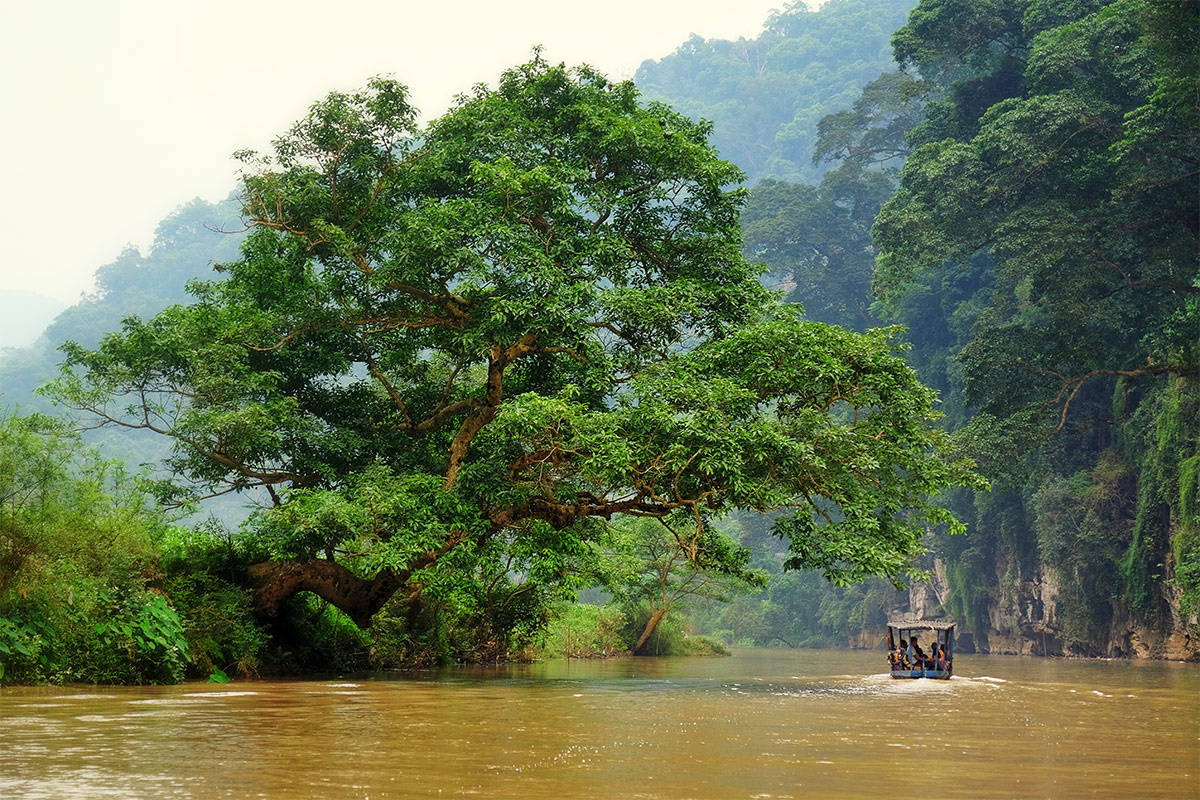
{"x":901,"y":659}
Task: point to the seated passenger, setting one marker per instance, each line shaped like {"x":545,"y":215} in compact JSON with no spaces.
{"x":921,"y":659}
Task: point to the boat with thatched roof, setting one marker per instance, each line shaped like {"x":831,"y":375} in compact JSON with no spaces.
{"x":909,"y":658}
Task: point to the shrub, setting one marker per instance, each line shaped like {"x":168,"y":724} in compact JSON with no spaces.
{"x":77,"y":566}
{"x":579,"y":630}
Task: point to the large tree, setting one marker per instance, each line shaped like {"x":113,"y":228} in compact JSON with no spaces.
{"x":468,"y":341}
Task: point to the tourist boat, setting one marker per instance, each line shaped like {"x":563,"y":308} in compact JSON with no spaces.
{"x":909,"y":657}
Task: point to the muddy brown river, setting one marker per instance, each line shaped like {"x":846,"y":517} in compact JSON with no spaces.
{"x":761,"y":724}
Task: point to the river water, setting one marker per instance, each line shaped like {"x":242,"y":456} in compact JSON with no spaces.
{"x":761,"y":724}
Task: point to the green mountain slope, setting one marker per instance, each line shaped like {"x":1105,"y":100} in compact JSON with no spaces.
{"x":766,"y":95}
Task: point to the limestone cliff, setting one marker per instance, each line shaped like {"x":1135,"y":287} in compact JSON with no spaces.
{"x":1024,"y":617}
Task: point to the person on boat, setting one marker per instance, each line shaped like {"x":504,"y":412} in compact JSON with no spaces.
{"x":902,"y":655}
{"x":921,"y":658}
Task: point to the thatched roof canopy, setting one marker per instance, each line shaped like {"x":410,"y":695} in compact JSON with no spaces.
{"x":920,"y":624}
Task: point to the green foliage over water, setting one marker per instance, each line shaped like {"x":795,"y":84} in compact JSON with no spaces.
{"x":1058,"y":166}
{"x":448,"y":357}
{"x":454,"y":441}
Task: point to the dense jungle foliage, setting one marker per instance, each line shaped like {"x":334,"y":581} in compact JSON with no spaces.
{"x":1022,"y":195}
{"x":1048,"y":211}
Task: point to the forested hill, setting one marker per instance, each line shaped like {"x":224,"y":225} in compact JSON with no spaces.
{"x":1040,"y":246}
{"x":766,"y":95}
{"x":187,"y":243}
{"x":1042,"y":250}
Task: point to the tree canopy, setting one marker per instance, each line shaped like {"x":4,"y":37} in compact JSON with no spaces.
{"x":1087,"y":215}
{"x":446,"y":352}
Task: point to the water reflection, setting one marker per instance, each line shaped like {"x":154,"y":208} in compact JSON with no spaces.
{"x":764,"y":724}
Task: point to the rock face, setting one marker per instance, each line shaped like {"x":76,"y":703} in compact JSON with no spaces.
{"x":1173,"y":641}
{"x":1023,"y":618}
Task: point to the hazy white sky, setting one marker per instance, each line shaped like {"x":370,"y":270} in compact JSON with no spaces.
{"x":117,"y":112}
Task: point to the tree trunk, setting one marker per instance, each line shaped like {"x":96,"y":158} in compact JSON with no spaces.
{"x":275,"y":582}
{"x":651,"y":624}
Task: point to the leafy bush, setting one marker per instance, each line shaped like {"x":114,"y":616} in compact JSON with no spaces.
{"x":202,"y":566}
{"x":580,"y":630}
{"x":77,"y":566}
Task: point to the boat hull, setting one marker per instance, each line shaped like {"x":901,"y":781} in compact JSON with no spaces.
{"x":937,"y":674}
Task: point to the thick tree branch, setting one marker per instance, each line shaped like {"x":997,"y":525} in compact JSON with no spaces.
{"x":275,"y":582}
{"x":1071,"y":386}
